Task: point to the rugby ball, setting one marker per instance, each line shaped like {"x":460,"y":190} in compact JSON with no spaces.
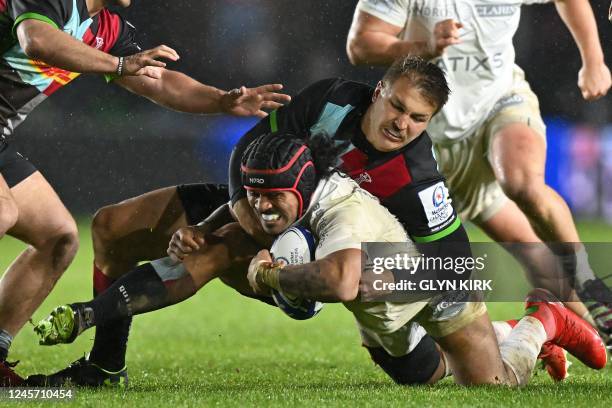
{"x":295,"y":246}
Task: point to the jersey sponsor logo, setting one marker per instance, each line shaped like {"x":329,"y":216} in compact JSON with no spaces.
{"x":470,"y":63}
{"x":496,"y":10}
{"x":428,"y":11}
{"x":363,"y":178}
{"x":437,"y":204}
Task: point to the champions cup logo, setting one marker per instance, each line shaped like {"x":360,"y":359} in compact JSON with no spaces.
{"x":438,"y":196}
{"x":363,"y":178}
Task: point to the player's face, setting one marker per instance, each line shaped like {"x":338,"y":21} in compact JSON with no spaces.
{"x":276,"y":211}
{"x":398,"y":114}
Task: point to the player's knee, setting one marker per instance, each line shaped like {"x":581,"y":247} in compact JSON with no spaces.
{"x":416,"y":367}
{"x":526,"y":192}
{"x":59,"y":247}
{"x":8,"y":215}
{"x":104,"y":226}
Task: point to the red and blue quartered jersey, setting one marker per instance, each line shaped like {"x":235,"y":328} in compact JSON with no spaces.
{"x":24,"y":82}
{"x":406,"y":181}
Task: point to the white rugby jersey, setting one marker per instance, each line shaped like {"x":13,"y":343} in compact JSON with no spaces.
{"x":479,"y":70}
{"x":342,"y":216}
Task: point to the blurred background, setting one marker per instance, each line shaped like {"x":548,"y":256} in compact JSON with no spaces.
{"x":98,"y":144}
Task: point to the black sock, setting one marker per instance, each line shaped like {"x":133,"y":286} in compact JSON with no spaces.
{"x":138,"y":291}
{"x":110,"y":343}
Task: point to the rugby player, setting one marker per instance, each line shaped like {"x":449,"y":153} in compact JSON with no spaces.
{"x":46,"y":44}
{"x":380,"y":132}
{"x":290,"y":180}
{"x":490,"y":140}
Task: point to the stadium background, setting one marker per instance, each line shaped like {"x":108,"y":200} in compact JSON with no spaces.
{"x":98,"y":144}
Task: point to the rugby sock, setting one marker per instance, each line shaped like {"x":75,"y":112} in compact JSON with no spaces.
{"x":5,"y":343}
{"x":502,"y":329}
{"x":110,"y":342}
{"x":139,"y":291}
{"x":521,"y":348}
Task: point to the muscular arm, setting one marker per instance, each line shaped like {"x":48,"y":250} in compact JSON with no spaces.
{"x":594,"y":77}
{"x":375,"y":42}
{"x":334,"y":278}
{"x":177,"y":91}
{"x":42,"y":41}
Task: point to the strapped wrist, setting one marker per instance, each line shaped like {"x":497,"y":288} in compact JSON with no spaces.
{"x":269,"y":274}
{"x":119,"y":71}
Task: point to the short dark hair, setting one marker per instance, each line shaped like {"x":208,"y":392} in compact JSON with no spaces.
{"x":425,"y":76}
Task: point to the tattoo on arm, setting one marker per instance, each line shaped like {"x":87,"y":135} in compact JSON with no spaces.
{"x":305,"y":281}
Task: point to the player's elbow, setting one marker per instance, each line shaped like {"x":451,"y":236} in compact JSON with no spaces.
{"x":356,"y":51}
{"x":32,"y":40}
{"x":343,"y":279}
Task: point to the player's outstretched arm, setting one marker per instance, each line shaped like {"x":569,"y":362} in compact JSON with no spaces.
{"x":333,"y":278}
{"x":43,"y":42}
{"x":177,"y":91}
{"x":594,"y":76}
{"x":373,"y":41}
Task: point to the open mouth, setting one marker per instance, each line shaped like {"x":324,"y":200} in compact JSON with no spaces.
{"x":391,"y":135}
{"x":270,"y":217}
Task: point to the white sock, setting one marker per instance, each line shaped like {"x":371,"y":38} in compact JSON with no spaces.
{"x":502,"y":330}
{"x":521,"y":348}
{"x":583,"y":269}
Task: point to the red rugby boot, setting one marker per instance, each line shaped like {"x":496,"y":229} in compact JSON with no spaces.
{"x":554,"y":358}
{"x":565,"y":329}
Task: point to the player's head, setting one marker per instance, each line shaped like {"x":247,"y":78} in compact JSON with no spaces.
{"x":404,"y":101}
{"x":280,"y":173}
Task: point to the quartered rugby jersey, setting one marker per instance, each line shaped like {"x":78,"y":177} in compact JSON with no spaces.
{"x":24,"y":82}
{"x":406,"y":181}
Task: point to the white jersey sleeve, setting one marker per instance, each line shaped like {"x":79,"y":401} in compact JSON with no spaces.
{"x":391,"y":11}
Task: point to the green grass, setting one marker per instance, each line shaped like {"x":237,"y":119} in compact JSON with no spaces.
{"x":221,"y":349}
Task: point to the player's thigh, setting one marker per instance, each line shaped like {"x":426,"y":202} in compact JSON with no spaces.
{"x":517,"y":141}
{"x":8,"y":207}
{"x":473,"y":353}
{"x":142,"y":226}
{"x":42,"y":218}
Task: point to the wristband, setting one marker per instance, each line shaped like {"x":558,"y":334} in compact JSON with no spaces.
{"x":270,"y":274}
{"x":120,"y":66}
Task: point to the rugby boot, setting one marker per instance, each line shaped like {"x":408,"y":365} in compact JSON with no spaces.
{"x":597,"y":297}
{"x":8,"y":376}
{"x":565,"y":329}
{"x":60,"y":327}
{"x":82,"y":373}
{"x":554,"y":358}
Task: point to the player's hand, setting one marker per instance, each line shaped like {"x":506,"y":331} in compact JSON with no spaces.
{"x":262,"y":259}
{"x":185,"y":241}
{"x":146,"y":62}
{"x":446,"y":33}
{"x":594,"y":81}
{"x":245,"y":101}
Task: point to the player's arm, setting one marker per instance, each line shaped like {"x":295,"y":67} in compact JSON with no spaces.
{"x":333,"y":278}
{"x":374,"y":41}
{"x":594,"y":76}
{"x":43,"y":41}
{"x":180,"y":92}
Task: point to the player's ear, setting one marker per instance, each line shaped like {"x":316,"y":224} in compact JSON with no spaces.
{"x":377,"y":91}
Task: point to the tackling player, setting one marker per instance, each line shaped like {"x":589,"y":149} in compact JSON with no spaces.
{"x":290,"y":180}
{"x":45,"y":45}
{"x":381,"y":134}
{"x":489,"y":138}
